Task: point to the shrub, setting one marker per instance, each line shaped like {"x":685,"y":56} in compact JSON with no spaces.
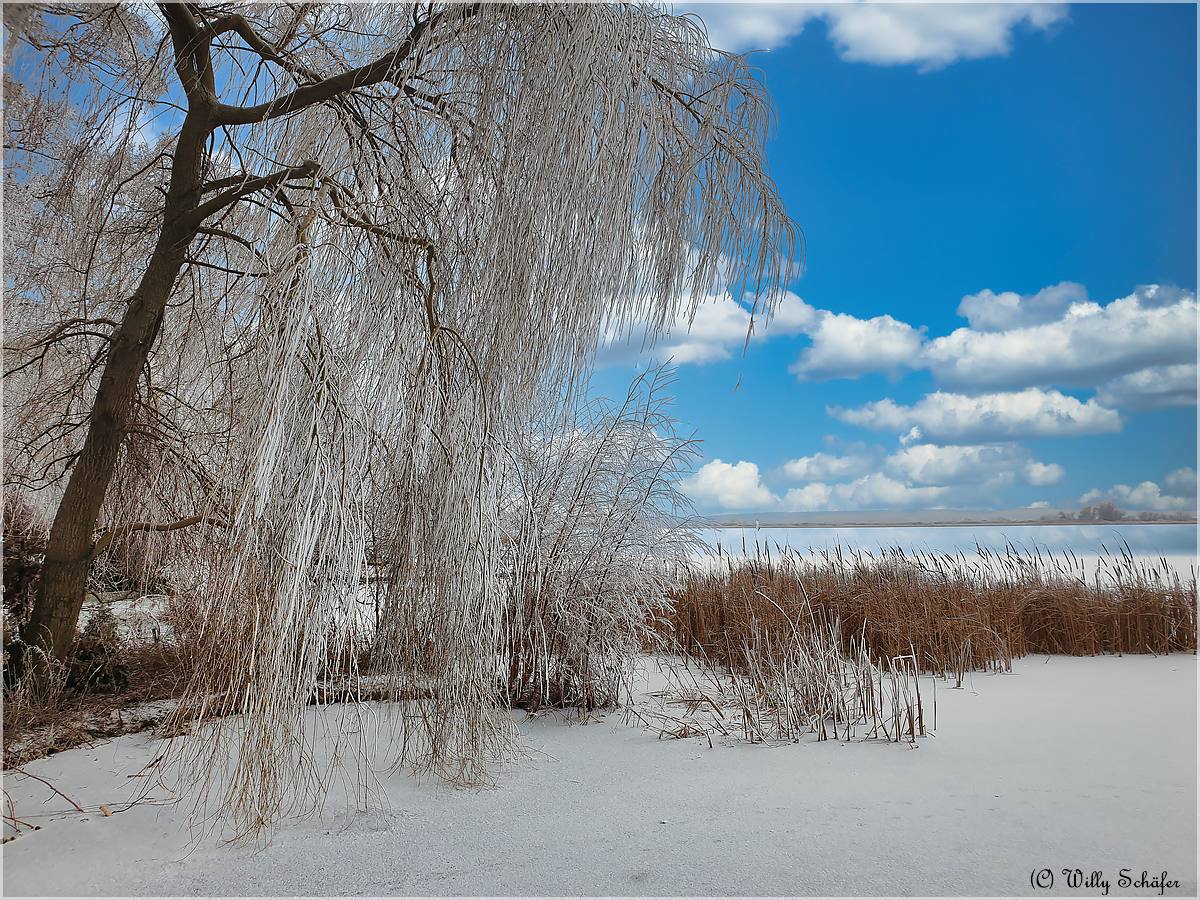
{"x":25,"y":534}
{"x":98,"y":658}
{"x":597,"y":531}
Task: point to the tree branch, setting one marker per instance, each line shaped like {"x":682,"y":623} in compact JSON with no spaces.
{"x":241,"y":26}
{"x":193,"y":60}
{"x":381,"y":69}
{"x":336,"y":194}
{"x":250,"y":186}
{"x":124,"y":531}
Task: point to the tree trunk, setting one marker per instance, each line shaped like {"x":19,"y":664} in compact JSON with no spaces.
{"x":52,"y":625}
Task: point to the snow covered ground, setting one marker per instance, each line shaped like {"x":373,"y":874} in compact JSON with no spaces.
{"x":1085,"y":764}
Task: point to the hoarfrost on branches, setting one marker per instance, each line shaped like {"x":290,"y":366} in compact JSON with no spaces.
{"x":283,"y":284}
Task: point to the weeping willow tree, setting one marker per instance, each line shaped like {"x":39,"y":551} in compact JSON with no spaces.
{"x":284,"y":279}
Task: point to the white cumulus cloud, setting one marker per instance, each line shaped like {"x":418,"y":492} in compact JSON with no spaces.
{"x":719,"y":330}
{"x":1151,"y":388}
{"x":739,"y":27}
{"x":926,"y":35}
{"x":791,"y":315}
{"x":719,"y":326}
{"x":960,"y":418}
{"x":873,"y":491}
{"x":844,"y":346}
{"x":932,"y":35}
{"x":970,"y":464}
{"x":1145,"y":496}
{"x":1041,"y":474}
{"x":824,"y":466}
{"x":810,"y":498}
{"x":729,"y":486}
{"x":989,"y":311}
{"x":1089,"y":343}
{"x":1181,"y":482}
{"x":1139,"y":351}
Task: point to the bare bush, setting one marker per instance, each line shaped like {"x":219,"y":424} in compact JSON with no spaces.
{"x":25,"y":534}
{"x":596,"y":530}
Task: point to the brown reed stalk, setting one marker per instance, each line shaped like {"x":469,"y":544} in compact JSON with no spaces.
{"x":950,"y":614}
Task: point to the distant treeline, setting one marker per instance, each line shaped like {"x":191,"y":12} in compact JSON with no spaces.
{"x":1110,"y":512}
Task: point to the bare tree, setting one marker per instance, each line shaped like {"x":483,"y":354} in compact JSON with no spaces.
{"x":287,"y":277}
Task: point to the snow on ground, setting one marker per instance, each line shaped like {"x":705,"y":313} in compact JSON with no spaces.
{"x":1067,"y":763}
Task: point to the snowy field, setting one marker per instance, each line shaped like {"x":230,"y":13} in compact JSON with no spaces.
{"x":1065,"y":764}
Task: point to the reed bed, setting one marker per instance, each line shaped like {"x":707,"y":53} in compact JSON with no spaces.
{"x":949,"y":613}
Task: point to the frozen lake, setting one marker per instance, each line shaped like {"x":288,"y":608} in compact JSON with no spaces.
{"x":1087,"y":762}
{"x":1174,"y":543}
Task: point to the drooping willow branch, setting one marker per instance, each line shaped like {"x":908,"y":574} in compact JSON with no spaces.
{"x":401,"y":223}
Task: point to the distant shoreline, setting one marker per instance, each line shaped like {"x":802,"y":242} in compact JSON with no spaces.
{"x":965,"y":524}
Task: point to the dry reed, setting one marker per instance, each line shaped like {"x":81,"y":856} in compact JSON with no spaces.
{"x":952,"y":613}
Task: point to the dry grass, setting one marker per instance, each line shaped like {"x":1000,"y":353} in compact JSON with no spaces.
{"x":44,"y":723}
{"x":951,"y":613}
{"x":783,"y":685}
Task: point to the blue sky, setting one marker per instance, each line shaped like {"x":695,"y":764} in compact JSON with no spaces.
{"x":986,"y":192}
